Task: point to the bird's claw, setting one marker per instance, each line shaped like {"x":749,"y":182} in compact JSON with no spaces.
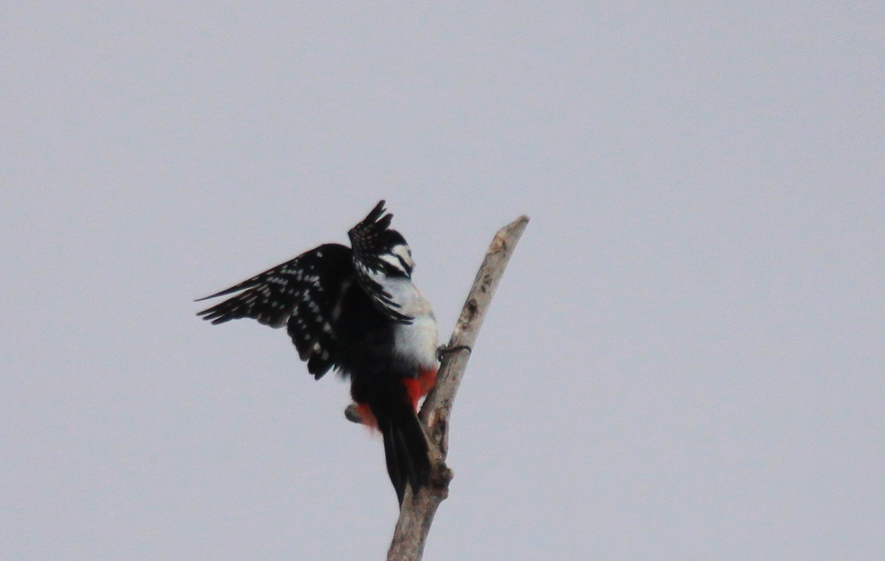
{"x":444,"y":350}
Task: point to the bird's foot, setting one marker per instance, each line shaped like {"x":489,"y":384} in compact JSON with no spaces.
{"x":444,"y":350}
{"x":352,"y":414}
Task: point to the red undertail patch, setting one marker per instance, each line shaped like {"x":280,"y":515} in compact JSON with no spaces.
{"x":418,"y":387}
{"x":366,"y":416}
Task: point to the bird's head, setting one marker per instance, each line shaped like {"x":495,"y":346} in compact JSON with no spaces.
{"x":380,"y":248}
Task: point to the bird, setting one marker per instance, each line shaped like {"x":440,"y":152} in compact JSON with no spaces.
{"x":356,"y":310}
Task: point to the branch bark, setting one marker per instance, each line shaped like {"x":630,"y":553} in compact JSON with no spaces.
{"x":417,"y":512}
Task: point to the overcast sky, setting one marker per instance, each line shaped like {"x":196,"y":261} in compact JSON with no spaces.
{"x":685,"y":359}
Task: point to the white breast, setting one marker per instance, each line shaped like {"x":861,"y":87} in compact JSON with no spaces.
{"x":415,"y":343}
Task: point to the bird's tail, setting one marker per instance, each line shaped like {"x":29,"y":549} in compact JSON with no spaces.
{"x":405,"y":447}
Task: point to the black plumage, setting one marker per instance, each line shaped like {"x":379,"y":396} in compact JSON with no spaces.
{"x":341,"y":312}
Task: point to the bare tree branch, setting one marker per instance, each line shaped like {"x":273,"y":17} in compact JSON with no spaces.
{"x":417,"y":513}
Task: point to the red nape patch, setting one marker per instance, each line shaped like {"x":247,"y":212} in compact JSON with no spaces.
{"x":366,"y":416}
{"x":418,"y":387}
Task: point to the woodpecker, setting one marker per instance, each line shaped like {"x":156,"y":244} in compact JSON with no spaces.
{"x":355,"y":309}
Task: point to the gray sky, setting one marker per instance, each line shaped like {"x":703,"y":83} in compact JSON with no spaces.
{"x":684,"y":361}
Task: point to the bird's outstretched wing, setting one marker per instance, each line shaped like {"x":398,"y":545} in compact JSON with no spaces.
{"x":303,"y":294}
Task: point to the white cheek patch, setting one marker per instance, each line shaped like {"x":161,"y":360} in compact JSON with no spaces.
{"x":403,"y":252}
{"x":400,"y":256}
{"x":394,"y":262}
